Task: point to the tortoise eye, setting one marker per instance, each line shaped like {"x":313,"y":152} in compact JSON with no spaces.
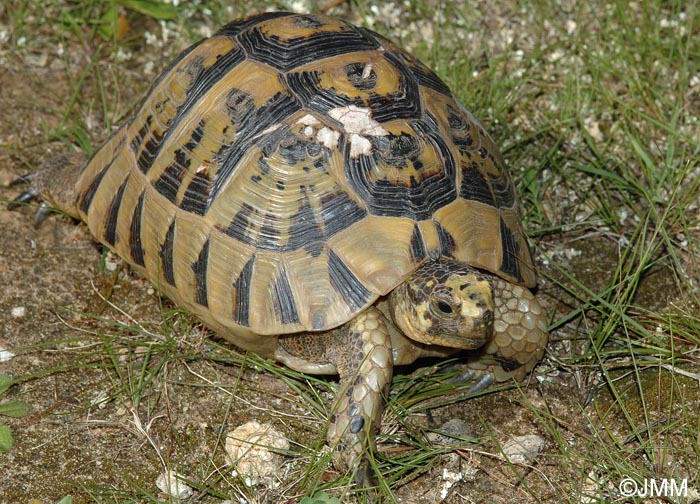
{"x":441,"y":308}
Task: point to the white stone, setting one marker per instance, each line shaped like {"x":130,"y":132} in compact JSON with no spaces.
{"x":523,"y":449}
{"x":252,"y":448}
{"x":5,"y":355}
{"x":170,"y":483}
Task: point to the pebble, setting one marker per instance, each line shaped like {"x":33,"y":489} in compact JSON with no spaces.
{"x":5,"y":355}
{"x":18,"y":311}
{"x":170,"y":483}
{"x":523,"y":449}
{"x":250,"y":449}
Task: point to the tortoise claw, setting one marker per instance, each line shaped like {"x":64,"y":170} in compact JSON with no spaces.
{"x":41,"y":214}
{"x":26,"y":197}
{"x":23,"y":179}
{"x":483,"y":381}
{"x":482,"y":384}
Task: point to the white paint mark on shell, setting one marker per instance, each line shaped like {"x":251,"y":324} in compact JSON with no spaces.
{"x":328,"y":137}
{"x":359,"y":145}
{"x":308,"y":120}
{"x":358,"y":122}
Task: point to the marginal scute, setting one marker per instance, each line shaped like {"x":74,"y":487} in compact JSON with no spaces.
{"x":376,"y":249}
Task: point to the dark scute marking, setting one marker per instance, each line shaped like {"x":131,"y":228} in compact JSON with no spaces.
{"x":305,"y":230}
{"x":203,"y":80}
{"x":402,"y":103}
{"x":235,"y":27}
{"x":149,"y":152}
{"x":355,"y":72}
{"x":474,"y":186}
{"x":502,"y":186}
{"x":510,"y":264}
{"x":357,"y":424}
{"x":138,"y":139}
{"x":290,"y":146}
{"x":285,"y":306}
{"x":317,"y":322}
{"x":91,"y":190}
{"x":288,"y":54}
{"x":196,"y":136}
{"x":111,"y":236}
{"x":429,"y":79}
{"x":424,"y":75}
{"x":420,"y":199}
{"x":269,"y":236}
{"x":166,"y":255}
{"x":400,"y":149}
{"x":200,"y":267}
{"x":241,"y":308}
{"x":418,"y":251}
{"x":456,"y":119}
{"x":239,"y":227}
{"x":170,"y":180}
{"x":447,"y":241}
{"x":344,"y":281}
{"x":239,"y":104}
{"x":273,"y":111}
{"x":308,"y":21}
{"x":196,"y":194}
{"x":135,"y":245}
{"x":338,"y":212}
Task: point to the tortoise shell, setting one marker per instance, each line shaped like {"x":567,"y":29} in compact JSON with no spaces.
{"x":283,"y":174}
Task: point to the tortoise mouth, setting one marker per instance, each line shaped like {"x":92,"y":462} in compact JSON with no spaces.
{"x":457,"y":341}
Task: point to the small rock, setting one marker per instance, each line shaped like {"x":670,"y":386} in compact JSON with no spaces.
{"x":250,"y":449}
{"x":170,"y":483}
{"x":449,"y":431}
{"x":523,"y":449}
{"x":18,"y":311}
{"x":5,"y":355}
{"x":111,"y":262}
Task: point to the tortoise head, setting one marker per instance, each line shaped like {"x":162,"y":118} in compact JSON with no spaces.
{"x":445,"y":303}
{"x":54,"y":182}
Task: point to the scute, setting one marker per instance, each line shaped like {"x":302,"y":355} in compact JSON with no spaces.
{"x":286,"y":172}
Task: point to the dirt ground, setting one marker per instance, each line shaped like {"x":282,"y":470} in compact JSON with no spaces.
{"x":97,"y":436}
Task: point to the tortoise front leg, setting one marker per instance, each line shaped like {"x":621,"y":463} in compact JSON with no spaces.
{"x":364,"y":362}
{"x":361,"y":353}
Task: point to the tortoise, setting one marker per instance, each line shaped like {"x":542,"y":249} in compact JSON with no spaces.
{"x":315,"y":194}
